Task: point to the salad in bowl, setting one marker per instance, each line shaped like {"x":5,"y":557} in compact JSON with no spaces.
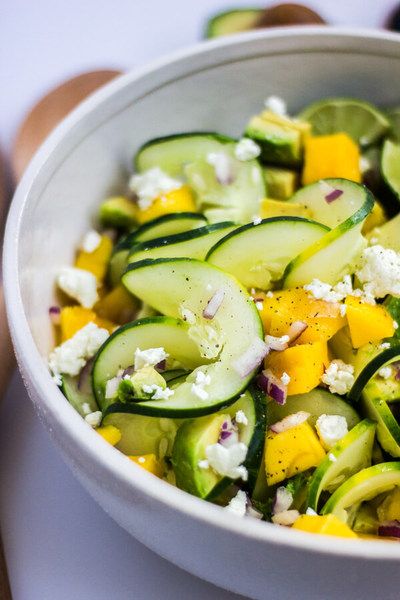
{"x":232,"y":324}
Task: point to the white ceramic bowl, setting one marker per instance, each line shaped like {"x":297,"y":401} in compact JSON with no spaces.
{"x":215,"y":86}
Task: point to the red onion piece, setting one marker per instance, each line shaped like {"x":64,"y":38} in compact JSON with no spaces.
{"x":295,"y":330}
{"x":55,"y":314}
{"x":389,"y":528}
{"x":277,"y":343}
{"x":128,"y":371}
{"x":161,"y":366}
{"x":251,"y":358}
{"x":213,"y":304}
{"x":272,"y":386}
{"x":334,"y":195}
{"x":282,"y":501}
{"x":229,"y":434}
{"x":290,"y":421}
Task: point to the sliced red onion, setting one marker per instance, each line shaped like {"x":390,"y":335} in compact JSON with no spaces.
{"x":253,"y":512}
{"x":290,"y":421}
{"x":282,"y":501}
{"x":229,"y":434}
{"x":272,"y":386}
{"x":295,"y":330}
{"x":286,"y":517}
{"x":213,"y":304}
{"x":389,"y":528}
{"x":55,"y":314}
{"x":251,"y":358}
{"x":129,"y":371}
{"x":162,"y":365}
{"x":277,"y":343}
{"x":334,"y":195}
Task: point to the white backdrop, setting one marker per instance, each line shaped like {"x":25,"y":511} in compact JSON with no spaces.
{"x":59,"y":544}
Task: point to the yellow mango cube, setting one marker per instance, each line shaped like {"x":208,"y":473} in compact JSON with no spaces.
{"x":150,"y":463}
{"x":180,"y":200}
{"x":304,"y":364}
{"x":326,"y":524}
{"x":111,"y":434}
{"x":367,"y":323}
{"x":333,"y":155}
{"x":389,"y":509}
{"x":73,"y":318}
{"x":280,"y":208}
{"x":118,"y":306}
{"x":290,"y":452}
{"x":97,"y":261}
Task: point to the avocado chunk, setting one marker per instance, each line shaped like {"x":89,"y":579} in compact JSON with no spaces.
{"x":281,"y":183}
{"x":281,"y":140}
{"x":137,"y":387}
{"x":118,"y":212}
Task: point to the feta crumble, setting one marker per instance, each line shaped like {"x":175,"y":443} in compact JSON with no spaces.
{"x":91,"y":241}
{"x":311,"y":512}
{"x":149,"y":357}
{"x":332,"y":457}
{"x":112,"y":387}
{"x":384,"y":346}
{"x":385,"y":372}
{"x":238,"y":504}
{"x":259,"y":305}
{"x":71,"y":356}
{"x":78,"y":284}
{"x":152,"y":184}
{"x":86,"y":408}
{"x":246,"y":149}
{"x":269,"y":295}
{"x":285,"y":379}
{"x":256,"y":220}
{"x":379,"y":271}
{"x":339,"y":377}
{"x":203,"y":464}
{"x":222,"y":166}
{"x":94,"y":418}
{"x":198,"y":386}
{"x":158,"y":393}
{"x":331,"y":429}
{"x":227,"y":461}
{"x":240,"y":417}
{"x":277,"y":105}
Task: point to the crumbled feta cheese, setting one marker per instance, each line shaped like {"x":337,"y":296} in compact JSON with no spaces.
{"x":286,"y":517}
{"x":94,"y":418}
{"x":332,"y":457}
{"x":198,"y":386}
{"x":373,"y":241}
{"x":222,"y":166}
{"x":379,"y":271}
{"x":112,"y":387}
{"x":395,"y":324}
{"x":246,"y":149}
{"x":311,"y":512}
{"x":71,"y":356}
{"x":269,"y":294}
{"x":277,"y":105}
{"x":365,"y":164}
{"x":240,"y":417}
{"x":158,"y":393}
{"x":238,"y":504}
{"x":203,"y":464}
{"x":384,"y":346}
{"x":209,"y":287}
{"x":342,"y":310}
{"x":385,"y":372}
{"x":285,"y":379}
{"x":152,"y":184}
{"x":256,"y":220}
{"x":79,"y":284}
{"x":149,"y":357}
{"x":339,"y":377}
{"x":227,"y":461}
{"x":141,"y":459}
{"x":91,"y":241}
{"x":331,"y":429}
{"x":259,"y":305}
{"x":323,"y":291}
{"x":86,"y":408}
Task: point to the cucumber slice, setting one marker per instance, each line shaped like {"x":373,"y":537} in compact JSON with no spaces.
{"x":388,"y":430}
{"x":390,"y":166}
{"x":317,"y":402}
{"x":182,"y":286}
{"x":79,"y":393}
{"x":362,"y":121}
{"x":172,"y":152}
{"x":387,"y":235}
{"x":141,"y":434}
{"x":118,"y":351}
{"x":372,"y":367}
{"x":258,"y":254}
{"x":336,"y":253}
{"x":361,"y":487}
{"x":190,"y":244}
{"x":394,"y":119}
{"x":232,"y":21}
{"x":193,"y":436}
{"x":156,"y":228}
{"x":352,"y":454}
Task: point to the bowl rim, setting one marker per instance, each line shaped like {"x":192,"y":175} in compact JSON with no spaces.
{"x":203,"y":55}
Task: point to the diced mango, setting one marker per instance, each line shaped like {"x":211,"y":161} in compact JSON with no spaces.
{"x":376,"y":218}
{"x":97,"y":261}
{"x":118,"y":306}
{"x":304,"y":364}
{"x":150,"y":463}
{"x":180,"y":200}
{"x":280,"y":208}
{"x":286,"y":306}
{"x":73,"y":318}
{"x":290,"y":452}
{"x":111,"y":434}
{"x":333,"y":155}
{"x":389,"y":509}
{"x":326,"y":524}
{"x":367,"y":323}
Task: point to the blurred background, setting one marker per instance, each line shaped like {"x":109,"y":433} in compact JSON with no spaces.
{"x":59,"y":544}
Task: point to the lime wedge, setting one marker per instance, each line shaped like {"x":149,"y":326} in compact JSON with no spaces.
{"x":362,"y":121}
{"x":394,"y":119}
{"x":390,"y":165}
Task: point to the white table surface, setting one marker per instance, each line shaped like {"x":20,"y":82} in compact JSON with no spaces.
{"x":59,"y":544}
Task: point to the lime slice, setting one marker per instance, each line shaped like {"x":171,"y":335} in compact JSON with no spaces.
{"x":362,"y":121}
{"x":394,"y":119}
{"x":361,"y":487}
{"x":390,"y":165}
